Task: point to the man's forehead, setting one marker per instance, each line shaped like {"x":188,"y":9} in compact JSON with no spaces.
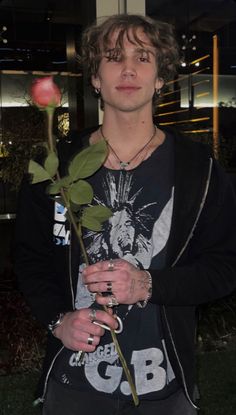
{"x":135,"y":36}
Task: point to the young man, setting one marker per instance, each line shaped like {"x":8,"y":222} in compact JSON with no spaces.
{"x":168,"y":247}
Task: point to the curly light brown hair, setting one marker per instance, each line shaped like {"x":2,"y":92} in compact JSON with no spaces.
{"x":96,"y":40}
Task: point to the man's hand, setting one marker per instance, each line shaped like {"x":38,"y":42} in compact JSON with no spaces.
{"x":118,"y":278}
{"x":78,"y":332}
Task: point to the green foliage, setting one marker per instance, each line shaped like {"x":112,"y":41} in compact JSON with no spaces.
{"x":217,"y":324}
{"x":93,"y":217}
{"x":88,"y":161}
{"x":51,"y":163}
{"x":54,"y":188}
{"x":22,"y":338}
{"x":38,"y":172}
{"x":75,"y":192}
{"x":217,"y":382}
{"x":80,"y":192}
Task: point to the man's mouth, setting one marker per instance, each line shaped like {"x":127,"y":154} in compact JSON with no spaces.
{"x":127,"y":88}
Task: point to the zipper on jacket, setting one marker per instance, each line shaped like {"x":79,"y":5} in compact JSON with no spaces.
{"x":178,"y":360}
{"x":198,"y":215}
{"x":173,"y":264}
{"x":41,"y":400}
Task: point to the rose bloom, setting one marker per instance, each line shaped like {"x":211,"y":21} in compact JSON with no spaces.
{"x":44,"y":92}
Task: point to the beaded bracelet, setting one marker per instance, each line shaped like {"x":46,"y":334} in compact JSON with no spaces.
{"x":142,"y":304}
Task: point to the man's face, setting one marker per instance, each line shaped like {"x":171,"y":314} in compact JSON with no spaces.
{"x":127,"y":77}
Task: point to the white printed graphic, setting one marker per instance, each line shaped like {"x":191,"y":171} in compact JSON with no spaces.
{"x":128,"y":230}
{"x":105,"y":376}
{"x":136,"y":233}
{"x":60,"y":234}
{"x":127,"y":233}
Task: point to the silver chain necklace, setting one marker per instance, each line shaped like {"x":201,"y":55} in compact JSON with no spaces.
{"x":124,"y":164}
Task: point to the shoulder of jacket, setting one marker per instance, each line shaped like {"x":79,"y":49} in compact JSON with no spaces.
{"x":187,"y":147}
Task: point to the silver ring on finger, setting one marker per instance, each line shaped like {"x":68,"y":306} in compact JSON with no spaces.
{"x":90,"y":339}
{"x":92,"y":314}
{"x":112,"y":301}
{"x":109,"y":286}
{"x":110,"y":265}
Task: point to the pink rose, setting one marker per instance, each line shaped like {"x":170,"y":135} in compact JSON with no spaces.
{"x":45,"y":93}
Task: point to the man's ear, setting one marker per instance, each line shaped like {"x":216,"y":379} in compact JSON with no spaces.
{"x":95,"y":81}
{"x":159,"y":83}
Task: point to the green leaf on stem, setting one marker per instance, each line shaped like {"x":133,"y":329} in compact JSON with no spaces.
{"x":80,"y":192}
{"x":54,"y":188}
{"x":88,"y":161}
{"x":51,"y":163}
{"x":93,"y":217}
{"x":38,"y":172}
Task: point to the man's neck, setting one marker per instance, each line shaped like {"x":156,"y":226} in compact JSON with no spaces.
{"x":131,"y":130}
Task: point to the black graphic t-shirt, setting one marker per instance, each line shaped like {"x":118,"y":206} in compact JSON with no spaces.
{"x":141,"y":201}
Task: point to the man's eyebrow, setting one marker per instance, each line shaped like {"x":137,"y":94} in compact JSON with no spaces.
{"x":145,"y":50}
{"x":140,"y":50}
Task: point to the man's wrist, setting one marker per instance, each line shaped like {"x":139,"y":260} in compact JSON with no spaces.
{"x":142,"y":304}
{"x":56,"y":322}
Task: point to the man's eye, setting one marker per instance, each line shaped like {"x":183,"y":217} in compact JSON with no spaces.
{"x":144,"y":59}
{"x":113,"y":58}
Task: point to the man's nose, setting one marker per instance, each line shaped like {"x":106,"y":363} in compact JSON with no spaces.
{"x":129,"y":69}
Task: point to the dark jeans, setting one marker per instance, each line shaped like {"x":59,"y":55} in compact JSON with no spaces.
{"x":61,"y":400}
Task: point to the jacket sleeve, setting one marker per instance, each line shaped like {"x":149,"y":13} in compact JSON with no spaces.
{"x":35,"y":260}
{"x":207,"y":269}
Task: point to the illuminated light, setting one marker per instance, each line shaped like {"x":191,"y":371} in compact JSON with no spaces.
{"x":64,"y":123}
{"x":43,"y":73}
{"x":203,"y":94}
{"x":201,"y":82}
{"x":185,"y":121}
{"x":215,"y":96}
{"x":196,"y":131}
{"x":183,"y":64}
{"x":177,"y":80}
{"x":200,"y":59}
{"x":168,"y":103}
{"x":170,"y":113}
{"x":201,"y":70}
{"x":197,"y":64}
{"x":3,"y":151}
{"x":3,"y":39}
{"x":174,"y":92}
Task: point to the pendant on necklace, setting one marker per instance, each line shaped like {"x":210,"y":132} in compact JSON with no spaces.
{"x":124,"y":164}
